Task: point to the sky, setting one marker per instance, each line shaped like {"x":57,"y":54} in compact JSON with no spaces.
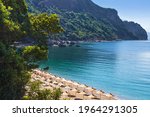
{"x":130,"y":10}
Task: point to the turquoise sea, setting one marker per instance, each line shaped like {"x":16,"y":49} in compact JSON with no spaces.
{"x":120,"y":67}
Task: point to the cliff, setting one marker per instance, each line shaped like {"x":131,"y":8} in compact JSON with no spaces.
{"x":136,"y":30}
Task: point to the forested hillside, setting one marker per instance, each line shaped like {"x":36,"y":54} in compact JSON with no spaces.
{"x":82,"y":19}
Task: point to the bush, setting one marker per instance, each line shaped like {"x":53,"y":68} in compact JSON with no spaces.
{"x":35,"y":93}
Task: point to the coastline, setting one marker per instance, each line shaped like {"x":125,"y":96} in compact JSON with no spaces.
{"x":70,"y":43}
{"x":70,"y":89}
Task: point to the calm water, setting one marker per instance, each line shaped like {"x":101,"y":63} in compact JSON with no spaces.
{"x":121,"y":68}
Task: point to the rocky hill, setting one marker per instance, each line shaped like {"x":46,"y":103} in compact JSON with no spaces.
{"x":83,"y":19}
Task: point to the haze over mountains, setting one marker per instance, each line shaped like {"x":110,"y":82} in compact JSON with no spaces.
{"x":83,"y":19}
{"x":148,"y":35}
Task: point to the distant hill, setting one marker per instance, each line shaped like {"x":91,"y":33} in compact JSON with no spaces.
{"x":148,"y":35}
{"x":83,"y":19}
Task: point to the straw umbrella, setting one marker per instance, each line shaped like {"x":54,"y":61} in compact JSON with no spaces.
{"x":89,"y":90}
{"x":105,"y":97}
{"x":52,"y":77}
{"x":47,"y":76}
{"x":64,"y":95}
{"x":81,"y":95}
{"x":81,"y":87}
{"x":47,"y":79}
{"x":37,"y":72}
{"x":58,"y":79}
{"x":47,"y":83}
{"x":74,"y":85}
{"x":64,"y":81}
{"x":69,"y":83}
{"x":56,"y":83}
{"x":41,"y":74}
{"x":57,"y":86}
{"x":90,"y":97}
{"x":61,"y":85}
{"x":98,"y":94}
{"x":53,"y":85}
{"x":67,"y":89}
{"x":33,"y":75}
{"x":109,"y":96}
{"x":73,"y":92}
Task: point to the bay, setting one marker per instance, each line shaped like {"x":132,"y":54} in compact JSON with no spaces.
{"x":118,"y":67}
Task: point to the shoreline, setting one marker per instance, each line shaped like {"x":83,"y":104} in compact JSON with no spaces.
{"x":71,"y":90}
{"x":70,"y":43}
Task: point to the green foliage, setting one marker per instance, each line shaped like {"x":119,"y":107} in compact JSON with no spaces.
{"x":34,"y":53}
{"x":19,"y":10}
{"x":55,"y":95}
{"x":35,"y":93}
{"x":13,"y":74}
{"x":14,"y":68}
{"x":77,"y":26}
{"x":44,"y":25}
{"x":9,"y":30}
{"x":19,"y":13}
{"x":80,"y":26}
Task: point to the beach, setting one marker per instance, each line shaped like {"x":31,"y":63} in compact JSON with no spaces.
{"x":71,"y":90}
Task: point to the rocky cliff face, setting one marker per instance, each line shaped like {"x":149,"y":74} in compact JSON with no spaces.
{"x":125,"y":30}
{"x":136,"y":30}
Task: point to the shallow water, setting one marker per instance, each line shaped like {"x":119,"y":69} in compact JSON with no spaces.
{"x":121,"y":68}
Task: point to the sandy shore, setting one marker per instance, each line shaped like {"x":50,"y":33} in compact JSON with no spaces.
{"x":71,"y":90}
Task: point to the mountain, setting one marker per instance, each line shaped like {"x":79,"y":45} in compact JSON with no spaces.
{"x":83,"y":19}
{"x":136,"y":29}
{"x":148,"y":35}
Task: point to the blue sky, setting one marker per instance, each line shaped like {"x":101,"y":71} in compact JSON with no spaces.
{"x":131,"y":10}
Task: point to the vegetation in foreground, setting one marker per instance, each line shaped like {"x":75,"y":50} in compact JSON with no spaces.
{"x":15,"y":66}
{"x":34,"y":92}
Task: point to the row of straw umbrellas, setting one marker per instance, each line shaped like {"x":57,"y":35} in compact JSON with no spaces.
{"x":70,"y":89}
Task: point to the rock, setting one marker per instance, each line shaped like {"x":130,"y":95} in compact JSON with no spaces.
{"x":72,"y":43}
{"x":46,"y":68}
{"x":77,"y":45}
{"x":62,"y":43}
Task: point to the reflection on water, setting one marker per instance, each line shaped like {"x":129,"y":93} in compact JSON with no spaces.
{"x":122,"y":68}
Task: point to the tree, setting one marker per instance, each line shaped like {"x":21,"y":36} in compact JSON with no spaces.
{"x":13,"y":74}
{"x":15,"y":67}
{"x":19,"y":13}
{"x":9,"y":30}
{"x":44,"y":25}
{"x":34,"y":53}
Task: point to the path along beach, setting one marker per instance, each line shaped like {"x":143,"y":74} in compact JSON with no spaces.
{"x":71,"y":90}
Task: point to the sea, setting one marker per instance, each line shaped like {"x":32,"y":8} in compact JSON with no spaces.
{"x":118,"y":67}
